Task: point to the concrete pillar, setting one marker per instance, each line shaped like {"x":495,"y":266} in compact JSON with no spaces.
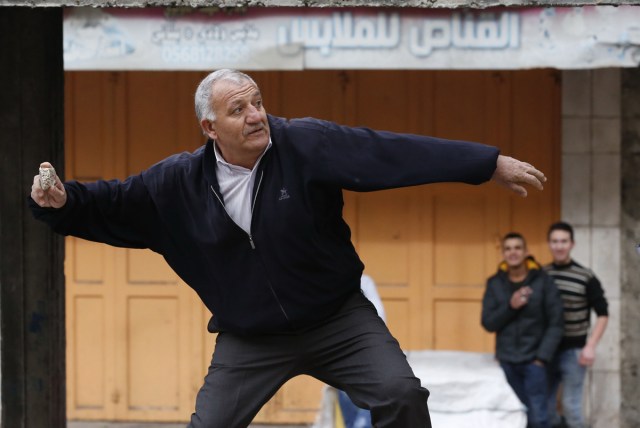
{"x":591,"y":117}
{"x":31,"y":257}
{"x":630,"y":259}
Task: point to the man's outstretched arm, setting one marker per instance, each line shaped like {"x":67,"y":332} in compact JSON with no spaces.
{"x":363,"y":159}
{"x":113,"y":212}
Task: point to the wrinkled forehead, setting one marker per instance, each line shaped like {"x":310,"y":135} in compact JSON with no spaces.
{"x":227,"y":91}
{"x":231,"y":82}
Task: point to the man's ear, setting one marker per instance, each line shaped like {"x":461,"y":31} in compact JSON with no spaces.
{"x":208,"y":128}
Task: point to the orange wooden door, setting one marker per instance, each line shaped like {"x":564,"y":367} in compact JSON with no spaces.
{"x":132,"y":332}
{"x":137,"y":343}
{"x":89,"y":267}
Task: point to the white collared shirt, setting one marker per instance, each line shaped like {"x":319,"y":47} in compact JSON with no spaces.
{"x":236,"y":186}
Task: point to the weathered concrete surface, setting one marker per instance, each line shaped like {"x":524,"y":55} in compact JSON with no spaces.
{"x":630,"y":320}
{"x":591,"y":136}
{"x":477,"y":4}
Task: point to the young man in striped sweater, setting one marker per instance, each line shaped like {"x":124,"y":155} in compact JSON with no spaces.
{"x":581,"y":292}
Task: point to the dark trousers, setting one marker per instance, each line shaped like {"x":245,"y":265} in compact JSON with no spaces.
{"x":352,"y":350}
{"x":529,"y":381}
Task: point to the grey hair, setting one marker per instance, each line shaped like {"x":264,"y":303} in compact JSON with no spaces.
{"x":204,"y":109}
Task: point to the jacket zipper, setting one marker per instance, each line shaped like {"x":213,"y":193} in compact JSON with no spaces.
{"x":253,"y":205}
{"x":253,"y":245}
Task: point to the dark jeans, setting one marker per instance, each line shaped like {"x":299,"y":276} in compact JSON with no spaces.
{"x":529,"y":381}
{"x":567,"y":370}
{"x":352,"y":351}
{"x":354,"y":416}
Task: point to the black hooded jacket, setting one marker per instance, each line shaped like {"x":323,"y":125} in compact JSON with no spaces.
{"x":532,"y":332}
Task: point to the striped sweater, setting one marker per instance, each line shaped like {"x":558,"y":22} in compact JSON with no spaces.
{"x":581,"y":291}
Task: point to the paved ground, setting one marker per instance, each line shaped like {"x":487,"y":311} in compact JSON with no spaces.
{"x":75,"y":424}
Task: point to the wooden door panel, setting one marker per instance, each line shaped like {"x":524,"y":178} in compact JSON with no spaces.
{"x":153,"y":317}
{"x":383,"y":100}
{"x":398,"y":312}
{"x":153,"y":344}
{"x":298,"y":400}
{"x":89,"y":351}
{"x":89,"y":266}
{"x":310,"y":94}
{"x":89,"y":260}
{"x":88,"y":131}
{"x":464,"y":106}
{"x":463,"y":222}
{"x":147,"y":267}
{"x":152,"y":133}
{"x":119,"y":123}
{"x":387,"y":224}
{"x":384,"y":235}
{"x":456,"y":326}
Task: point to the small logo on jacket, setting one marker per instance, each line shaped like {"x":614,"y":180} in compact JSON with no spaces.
{"x":283,"y":194}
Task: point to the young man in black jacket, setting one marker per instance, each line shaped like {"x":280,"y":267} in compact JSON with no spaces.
{"x":252,"y":221}
{"x":522,"y":305}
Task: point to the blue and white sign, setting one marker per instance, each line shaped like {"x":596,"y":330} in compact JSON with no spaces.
{"x":295,"y":39}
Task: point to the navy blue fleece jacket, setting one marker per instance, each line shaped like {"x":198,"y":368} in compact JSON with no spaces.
{"x":298,"y":264}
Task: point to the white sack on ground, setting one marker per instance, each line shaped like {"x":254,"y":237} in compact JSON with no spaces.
{"x":468,"y":390}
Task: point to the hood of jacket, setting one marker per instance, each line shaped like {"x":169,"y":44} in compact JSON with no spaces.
{"x":530,"y":263}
